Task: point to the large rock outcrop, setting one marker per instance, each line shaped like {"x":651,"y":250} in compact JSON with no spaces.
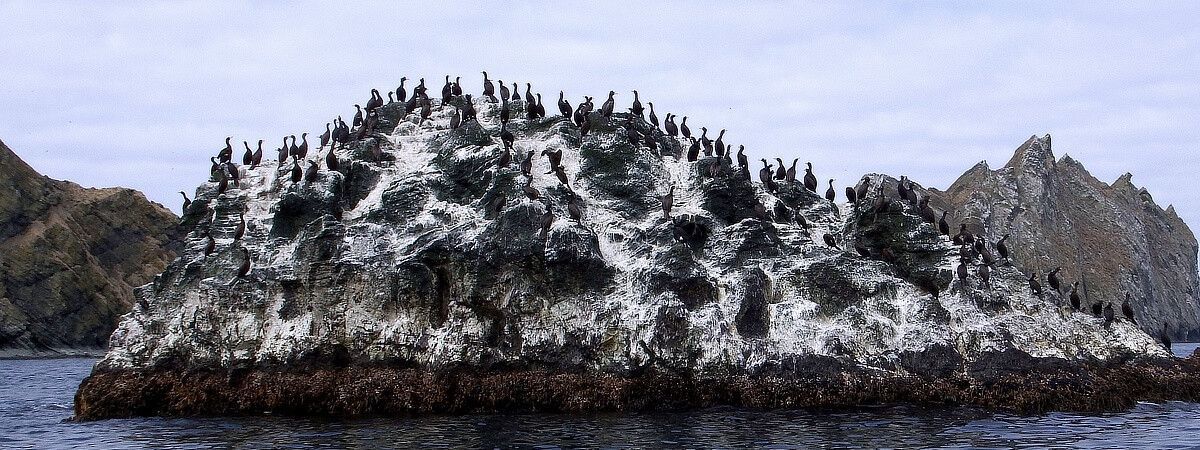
{"x":70,"y":258}
{"x":419,"y":278}
{"x":1112,"y":239}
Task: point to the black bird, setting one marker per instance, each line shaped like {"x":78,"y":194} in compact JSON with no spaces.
{"x":245,"y":268}
{"x":241,"y":226}
{"x":830,"y":241}
{"x":547,"y":220}
{"x":693,"y":153}
{"x":283,"y":152}
{"x":863,"y":185}
{"x":186,"y":203}
{"x":505,"y":158}
{"x":1075,"y":296}
{"x":781,"y":171}
{"x":683,"y":128}
{"x":555,"y":157}
{"x":669,"y":125}
{"x":962,"y":271}
{"x":530,"y":191}
{"x":668,"y":201}
{"x":456,"y":119}
{"x":573,"y":210}
{"x":375,"y":101}
{"x":1165,"y":337}
{"x":790,"y":176}
{"x":606,"y":109}
{"x":1096,"y":309}
{"x":653,"y":117}
{"x":706,"y":143}
{"x":209,"y":245}
{"x":358,"y":116}
{"x":564,"y":106}
{"x":426,"y":110}
{"x":294,"y":149}
{"x":223,"y":183}
{"x":985,"y":274}
{"x":504,"y":92}
{"x":516,"y":92}
{"x":256,"y":158}
{"x":504,"y":110}
{"x":903,"y":189}
{"x":1108,"y":314}
{"x":527,"y":164}
{"x":233,"y":174}
{"x":851,"y":195}
{"x":943,"y":225}
{"x":810,"y":180}
{"x":226,"y":154}
{"x":302,"y":150}
{"x":1002,"y":248}
{"x":1127,"y":310}
{"x":447,"y":91}
{"x":401,"y":94}
{"x":719,"y":144}
{"x":636,"y":109}
{"x":331,"y":161}
{"x":310,"y":174}
{"x":562,"y":176}
{"x":1034,"y":286}
{"x":489,"y":90}
{"x":585,"y":126}
{"x":529,"y":100}
{"x":765,"y":176}
{"x":457,"y":88}
{"x":1052,"y":280}
{"x":926,"y":212}
{"x":541,"y":110}
{"x":420,"y":89}
{"x":964,"y":236}
{"x":830,"y":194}
{"x":741,"y":157}
{"x":297,"y":174}
{"x":506,"y":137}
{"x":247,"y":157}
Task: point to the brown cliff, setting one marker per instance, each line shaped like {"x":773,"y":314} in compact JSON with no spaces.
{"x":70,"y":258}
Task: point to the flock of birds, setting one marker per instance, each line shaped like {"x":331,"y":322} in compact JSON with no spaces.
{"x":974,"y":250}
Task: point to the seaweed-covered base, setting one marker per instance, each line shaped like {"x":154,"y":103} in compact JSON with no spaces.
{"x":1010,"y":381}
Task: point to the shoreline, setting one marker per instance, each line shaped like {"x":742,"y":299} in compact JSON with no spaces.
{"x":1035,"y":386}
{"x":74,"y":353}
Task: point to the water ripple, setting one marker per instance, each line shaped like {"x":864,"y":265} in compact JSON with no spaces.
{"x":35,"y":399}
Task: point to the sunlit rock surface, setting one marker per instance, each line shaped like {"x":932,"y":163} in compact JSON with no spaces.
{"x":394,"y":270}
{"x":1112,"y":239}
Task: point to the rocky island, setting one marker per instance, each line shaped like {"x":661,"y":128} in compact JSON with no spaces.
{"x":462,"y":255}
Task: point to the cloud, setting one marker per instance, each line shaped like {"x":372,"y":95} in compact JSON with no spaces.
{"x":120,"y":94}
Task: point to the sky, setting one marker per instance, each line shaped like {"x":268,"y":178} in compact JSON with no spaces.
{"x":141,"y":94}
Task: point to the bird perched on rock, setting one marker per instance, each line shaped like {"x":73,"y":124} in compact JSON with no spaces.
{"x":1127,"y":310}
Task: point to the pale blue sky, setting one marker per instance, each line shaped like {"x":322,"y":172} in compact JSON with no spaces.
{"x":140,"y":95}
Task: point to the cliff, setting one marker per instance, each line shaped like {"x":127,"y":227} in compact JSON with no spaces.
{"x":70,"y":258}
{"x":419,"y":278}
{"x":1112,"y":239}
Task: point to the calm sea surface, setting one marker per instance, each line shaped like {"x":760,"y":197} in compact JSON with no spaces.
{"x":36,"y":395}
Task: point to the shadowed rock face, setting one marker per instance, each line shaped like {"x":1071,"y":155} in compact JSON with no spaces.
{"x":1112,"y":239}
{"x":425,"y":262}
{"x":69,"y":259}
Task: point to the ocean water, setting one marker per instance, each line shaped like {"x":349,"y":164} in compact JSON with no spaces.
{"x":36,"y":403}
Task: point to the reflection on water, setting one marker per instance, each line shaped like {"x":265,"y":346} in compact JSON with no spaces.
{"x":35,"y":398}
